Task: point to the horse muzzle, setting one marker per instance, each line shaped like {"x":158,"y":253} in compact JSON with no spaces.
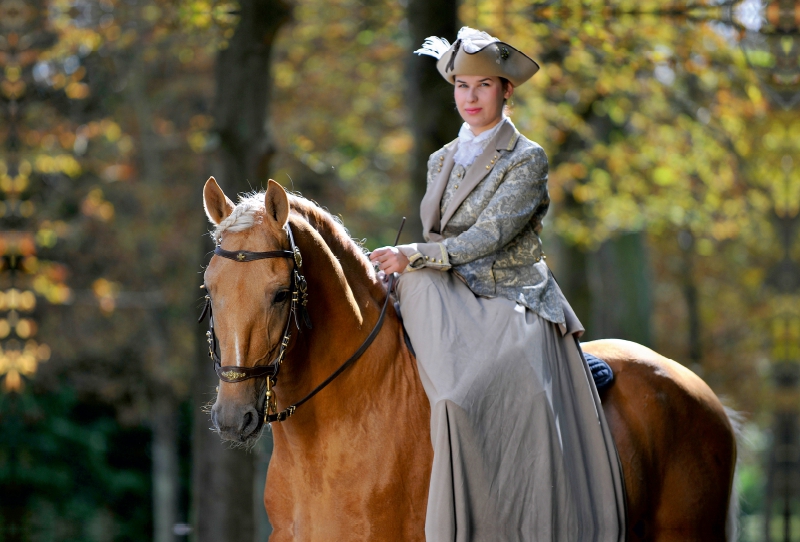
{"x":238,"y":423}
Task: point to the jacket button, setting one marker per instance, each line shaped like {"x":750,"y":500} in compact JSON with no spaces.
{"x":487,"y":167}
{"x":456,"y":187}
{"x":440,"y":261}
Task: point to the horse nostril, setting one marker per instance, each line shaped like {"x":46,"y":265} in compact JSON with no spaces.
{"x":249,"y":422}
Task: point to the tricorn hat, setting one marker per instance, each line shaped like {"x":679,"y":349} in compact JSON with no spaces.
{"x":478,"y":53}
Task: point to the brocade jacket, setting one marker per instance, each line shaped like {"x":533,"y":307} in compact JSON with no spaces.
{"x":488,"y":233}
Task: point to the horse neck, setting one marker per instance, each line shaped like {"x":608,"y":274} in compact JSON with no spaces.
{"x":348,"y":435}
{"x":344,"y":304}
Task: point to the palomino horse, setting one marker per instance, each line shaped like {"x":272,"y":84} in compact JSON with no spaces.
{"x":353,"y":462}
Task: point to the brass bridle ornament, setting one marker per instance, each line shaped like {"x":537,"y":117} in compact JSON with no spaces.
{"x":299,"y":301}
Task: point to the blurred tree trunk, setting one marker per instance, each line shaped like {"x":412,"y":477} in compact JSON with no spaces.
{"x":686,"y":243}
{"x":619,"y":282}
{"x":165,"y":467}
{"x":164,"y":426}
{"x":434,"y":119}
{"x":568,"y":264}
{"x":223,"y":478}
{"x":163,"y":403}
{"x":244,"y":88}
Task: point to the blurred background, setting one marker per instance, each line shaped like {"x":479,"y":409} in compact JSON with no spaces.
{"x":672,"y":129}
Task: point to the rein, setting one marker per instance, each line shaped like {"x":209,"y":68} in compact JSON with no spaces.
{"x":299,"y":295}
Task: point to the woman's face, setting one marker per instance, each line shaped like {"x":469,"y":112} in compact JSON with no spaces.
{"x":480,"y":100}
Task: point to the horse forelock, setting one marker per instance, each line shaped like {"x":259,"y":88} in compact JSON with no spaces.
{"x":247,"y":213}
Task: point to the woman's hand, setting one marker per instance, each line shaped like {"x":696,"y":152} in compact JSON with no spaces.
{"x":389,"y":259}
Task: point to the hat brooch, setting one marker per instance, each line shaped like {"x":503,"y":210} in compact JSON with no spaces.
{"x":502,"y":53}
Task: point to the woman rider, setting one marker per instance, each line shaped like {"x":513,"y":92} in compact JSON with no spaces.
{"x":522,"y":451}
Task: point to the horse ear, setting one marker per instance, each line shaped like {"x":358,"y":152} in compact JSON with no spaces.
{"x":276,"y":203}
{"x":215,"y":202}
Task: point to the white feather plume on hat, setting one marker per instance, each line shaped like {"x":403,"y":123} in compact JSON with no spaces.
{"x":474,"y":40}
{"x":471,"y":40}
{"x":434,"y":46}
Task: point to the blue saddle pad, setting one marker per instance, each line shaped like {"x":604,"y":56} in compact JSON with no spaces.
{"x":601,"y":372}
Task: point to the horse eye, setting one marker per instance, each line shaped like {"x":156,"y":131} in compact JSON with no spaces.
{"x":281,"y":296}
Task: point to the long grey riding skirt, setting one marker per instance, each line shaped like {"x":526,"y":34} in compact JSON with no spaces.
{"x":522,"y":451}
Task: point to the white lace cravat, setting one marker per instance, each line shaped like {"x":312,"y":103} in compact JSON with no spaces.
{"x":471,"y":146}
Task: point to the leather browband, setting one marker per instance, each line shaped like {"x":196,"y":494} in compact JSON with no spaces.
{"x":248,"y":256}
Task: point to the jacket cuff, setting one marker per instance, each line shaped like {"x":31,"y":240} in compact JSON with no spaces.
{"x":432,"y":255}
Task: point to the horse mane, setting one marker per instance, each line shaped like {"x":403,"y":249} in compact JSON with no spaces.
{"x":250,"y":211}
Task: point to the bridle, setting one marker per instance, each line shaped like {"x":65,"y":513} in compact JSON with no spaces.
{"x":298,"y":291}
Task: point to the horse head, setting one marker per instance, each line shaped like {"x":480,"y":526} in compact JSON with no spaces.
{"x":250,"y":299}
{"x":257,"y":291}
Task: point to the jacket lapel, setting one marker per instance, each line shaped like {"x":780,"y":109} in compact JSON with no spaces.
{"x":504,"y":140}
{"x":429,"y":209}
